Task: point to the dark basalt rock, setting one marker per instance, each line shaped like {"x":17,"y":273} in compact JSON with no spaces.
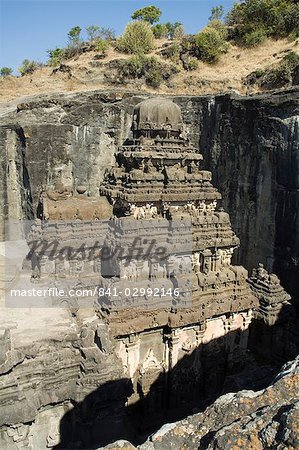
{"x":264,"y":419}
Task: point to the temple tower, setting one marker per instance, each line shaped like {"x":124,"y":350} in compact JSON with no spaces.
{"x":158,"y":189}
{"x":158,"y":178}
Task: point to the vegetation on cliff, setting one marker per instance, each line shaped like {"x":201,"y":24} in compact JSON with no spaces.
{"x":247,"y":45}
{"x":247,"y":24}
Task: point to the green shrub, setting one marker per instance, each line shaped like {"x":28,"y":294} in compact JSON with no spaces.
{"x":220,"y":27}
{"x":190,"y":64}
{"x":102,"y":45}
{"x":209,"y":45}
{"x":5,"y":71}
{"x":169,"y":30}
{"x":153,"y":71}
{"x":277,"y":18}
{"x":150,"y":14}
{"x":133,"y":67}
{"x":55,"y":56}
{"x":154,"y":78}
{"x":160,"y":31}
{"x":74,"y":35}
{"x":291,"y":59}
{"x":172,"y":27}
{"x":28,"y":67}
{"x":216,"y":13}
{"x":179,"y":32}
{"x":292,"y":19}
{"x":138,"y":38}
{"x":147,"y":67}
{"x":188,"y":44}
{"x":172,"y":52}
{"x":254,"y":38}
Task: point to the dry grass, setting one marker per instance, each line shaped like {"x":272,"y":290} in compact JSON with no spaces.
{"x":226,"y":75}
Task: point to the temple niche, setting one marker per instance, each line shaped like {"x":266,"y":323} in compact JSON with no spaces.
{"x":176,"y":349}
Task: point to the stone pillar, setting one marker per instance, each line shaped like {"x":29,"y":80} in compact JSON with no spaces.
{"x":174,"y":343}
{"x":132,"y":349}
{"x":247,"y":318}
{"x":12,"y":199}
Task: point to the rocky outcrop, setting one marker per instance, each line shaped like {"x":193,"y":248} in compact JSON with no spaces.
{"x":49,"y":361}
{"x":256,"y":420}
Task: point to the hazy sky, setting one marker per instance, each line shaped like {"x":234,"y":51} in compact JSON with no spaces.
{"x":29,"y":28}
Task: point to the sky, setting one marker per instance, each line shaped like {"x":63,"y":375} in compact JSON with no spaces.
{"x":29,"y":28}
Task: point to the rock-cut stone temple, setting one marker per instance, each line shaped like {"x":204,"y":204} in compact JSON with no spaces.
{"x":172,"y":315}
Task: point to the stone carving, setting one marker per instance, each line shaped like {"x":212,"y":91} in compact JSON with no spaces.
{"x":62,"y":204}
{"x":274,"y":319}
{"x":154,"y":116}
{"x":182,"y":191}
{"x":272,"y":297}
{"x":149,"y":211}
{"x":157,"y":178}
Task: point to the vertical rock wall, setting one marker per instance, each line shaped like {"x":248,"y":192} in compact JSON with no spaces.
{"x":252,"y":148}
{"x":15,"y":199}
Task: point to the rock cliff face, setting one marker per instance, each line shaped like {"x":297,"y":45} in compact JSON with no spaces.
{"x":252,"y":146}
{"x":49,"y":361}
{"x":256,"y":420}
{"x":61,"y":379}
{"x":249,"y":143}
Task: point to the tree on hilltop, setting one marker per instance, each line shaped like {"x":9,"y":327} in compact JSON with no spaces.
{"x":74,"y":35}
{"x":5,"y":71}
{"x":150,"y":14}
{"x":93,"y":32}
{"x":216,"y":13}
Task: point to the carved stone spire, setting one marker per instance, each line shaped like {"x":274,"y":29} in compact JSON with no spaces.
{"x":158,"y":177}
{"x":274,"y":303}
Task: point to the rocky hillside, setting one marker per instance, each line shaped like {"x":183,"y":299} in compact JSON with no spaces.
{"x":267,"y":419}
{"x":240,"y":69}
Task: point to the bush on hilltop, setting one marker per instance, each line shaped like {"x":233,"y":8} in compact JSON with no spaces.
{"x":28,"y":67}
{"x":251,"y":21}
{"x":137,"y":39}
{"x":207,"y":45}
{"x":5,"y":71}
{"x":148,"y":67}
{"x":150,"y":14}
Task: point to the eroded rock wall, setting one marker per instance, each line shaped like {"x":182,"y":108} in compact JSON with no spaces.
{"x":49,"y":362}
{"x":264,"y":419}
{"x":15,"y":201}
{"x":251,"y":145}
